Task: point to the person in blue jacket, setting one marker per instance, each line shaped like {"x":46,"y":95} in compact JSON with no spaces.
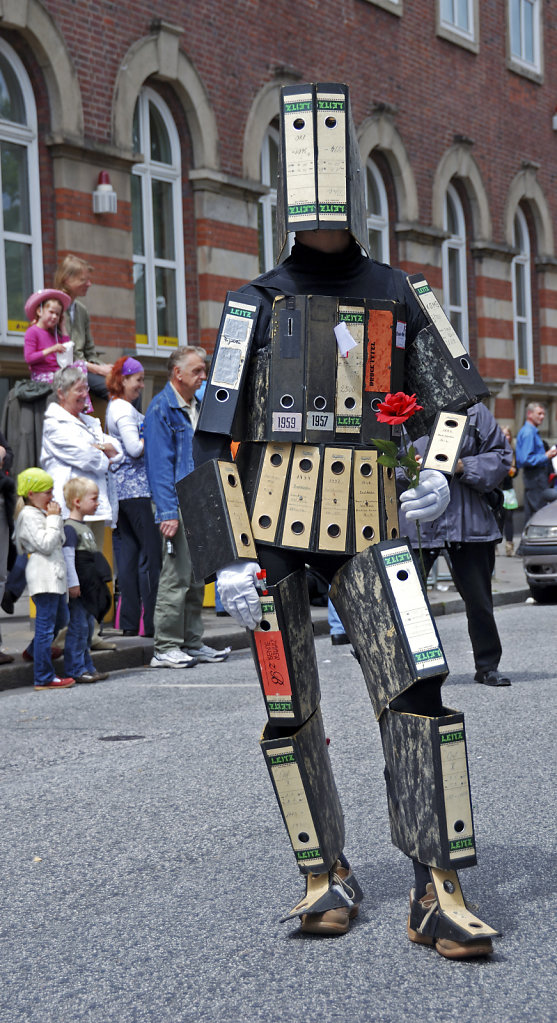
{"x":533,"y":459}
{"x":168,"y":432}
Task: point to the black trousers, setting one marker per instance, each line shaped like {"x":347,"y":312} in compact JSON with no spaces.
{"x":139,"y":562}
{"x":472,"y":566}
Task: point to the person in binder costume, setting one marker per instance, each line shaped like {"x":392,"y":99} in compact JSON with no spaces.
{"x":304,"y":355}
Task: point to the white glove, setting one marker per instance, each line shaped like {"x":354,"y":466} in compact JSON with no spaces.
{"x":237,"y":585}
{"x":429,"y":499}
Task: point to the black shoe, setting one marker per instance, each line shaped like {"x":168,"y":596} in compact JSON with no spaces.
{"x":492,"y":677}
{"x":7,"y":602}
{"x":129,"y":632}
{"x":339,"y":639}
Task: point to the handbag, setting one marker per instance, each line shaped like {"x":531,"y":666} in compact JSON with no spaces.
{"x":510,"y":500}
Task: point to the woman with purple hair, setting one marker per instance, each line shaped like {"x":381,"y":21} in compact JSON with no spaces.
{"x":139,"y":554}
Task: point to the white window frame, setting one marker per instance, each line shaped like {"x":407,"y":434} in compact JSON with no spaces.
{"x":448,"y":27}
{"x":268,"y":202}
{"x":455,"y":243}
{"x":379,"y":222}
{"x":522,"y":263}
{"x":517,"y":58}
{"x":23,"y":135}
{"x":393,"y":6}
{"x":148,"y":171}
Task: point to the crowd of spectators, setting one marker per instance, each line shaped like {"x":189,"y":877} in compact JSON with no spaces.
{"x":120,"y":478}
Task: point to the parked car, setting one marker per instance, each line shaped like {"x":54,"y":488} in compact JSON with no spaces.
{"x":538,"y":548}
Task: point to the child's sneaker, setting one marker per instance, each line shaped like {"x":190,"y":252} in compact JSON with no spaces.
{"x":57,"y":683}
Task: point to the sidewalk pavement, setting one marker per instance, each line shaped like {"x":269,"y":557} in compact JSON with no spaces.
{"x":509,"y":587}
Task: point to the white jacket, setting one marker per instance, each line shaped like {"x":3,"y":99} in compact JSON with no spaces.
{"x":42,"y":536}
{"x":68,"y":450}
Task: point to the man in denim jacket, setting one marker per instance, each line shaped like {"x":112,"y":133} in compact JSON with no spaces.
{"x":169,"y":424}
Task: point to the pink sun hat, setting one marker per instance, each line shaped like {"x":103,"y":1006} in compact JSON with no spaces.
{"x":34,"y":301}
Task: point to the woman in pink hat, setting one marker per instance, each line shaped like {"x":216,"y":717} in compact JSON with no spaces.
{"x":46,"y":348}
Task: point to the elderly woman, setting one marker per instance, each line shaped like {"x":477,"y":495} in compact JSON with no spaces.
{"x":139,"y":553}
{"x":74,"y":445}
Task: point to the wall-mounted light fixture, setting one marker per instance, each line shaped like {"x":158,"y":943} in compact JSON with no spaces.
{"x":105,"y":199}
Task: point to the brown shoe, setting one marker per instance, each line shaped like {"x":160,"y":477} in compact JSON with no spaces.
{"x":421,"y":910}
{"x":5,"y":658}
{"x":333,"y":922}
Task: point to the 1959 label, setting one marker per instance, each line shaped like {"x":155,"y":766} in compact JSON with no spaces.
{"x":284,"y":422}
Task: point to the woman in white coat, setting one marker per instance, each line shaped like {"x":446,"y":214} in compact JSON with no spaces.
{"x":74,"y":445}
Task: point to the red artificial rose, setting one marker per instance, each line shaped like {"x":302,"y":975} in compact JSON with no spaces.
{"x":397,"y":408}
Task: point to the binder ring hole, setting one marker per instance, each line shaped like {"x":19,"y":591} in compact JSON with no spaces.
{"x":402,"y":574}
{"x":459,"y":826}
{"x":366,"y":469}
{"x":276,"y":459}
{"x":338,"y":468}
{"x":441,"y":457}
{"x":394,"y":534}
{"x":232,"y":481}
{"x":264,"y":625}
{"x":297,"y":528}
{"x":465,"y":363}
{"x":333,"y":530}
{"x":390,"y":474}
{"x":245,"y":539}
{"x":264,"y":521}
{"x":303,"y":836}
{"x":375,"y":403}
{"x":222,"y":394}
{"x":350,"y":403}
{"x":306,"y":464}
{"x":452,"y":423}
{"x":299,"y":123}
{"x":287,"y":401}
{"x":449,"y":887}
{"x":330,"y":122}
{"x":368,"y":532}
{"x":320,"y":403}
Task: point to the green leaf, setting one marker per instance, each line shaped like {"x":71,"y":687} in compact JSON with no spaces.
{"x":388,"y":447}
{"x":391,"y":463}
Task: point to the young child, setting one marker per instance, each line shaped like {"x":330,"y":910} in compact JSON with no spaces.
{"x":40,"y":534}
{"x":82,"y":498}
{"x":46,"y":348}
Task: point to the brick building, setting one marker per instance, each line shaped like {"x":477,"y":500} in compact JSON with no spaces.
{"x":455,"y":106}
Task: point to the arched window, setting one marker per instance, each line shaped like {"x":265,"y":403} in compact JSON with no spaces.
{"x":455,"y":286}
{"x":377,"y":213}
{"x":158,"y":248}
{"x":21,"y":263}
{"x":267,"y":213}
{"x":522,"y":301}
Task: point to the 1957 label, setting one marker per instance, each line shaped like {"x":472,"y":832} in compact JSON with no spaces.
{"x":320,"y":421}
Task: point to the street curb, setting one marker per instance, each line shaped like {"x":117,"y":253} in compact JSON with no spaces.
{"x":137,"y":652}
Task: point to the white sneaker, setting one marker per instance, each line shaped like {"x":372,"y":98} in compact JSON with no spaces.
{"x":174,"y":658}
{"x":207,"y":654}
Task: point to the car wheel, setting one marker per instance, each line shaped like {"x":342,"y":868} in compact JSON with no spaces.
{"x":544,"y":594}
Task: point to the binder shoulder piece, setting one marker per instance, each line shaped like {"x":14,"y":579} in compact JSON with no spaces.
{"x":229,"y":365}
{"x":438,"y":368}
{"x":216,"y":521}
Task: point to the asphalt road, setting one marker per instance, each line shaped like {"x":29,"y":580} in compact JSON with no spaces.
{"x":143,"y":878}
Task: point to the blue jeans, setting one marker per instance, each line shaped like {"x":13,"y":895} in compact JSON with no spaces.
{"x":52,"y":615}
{"x":336,"y":628}
{"x":77,"y":648}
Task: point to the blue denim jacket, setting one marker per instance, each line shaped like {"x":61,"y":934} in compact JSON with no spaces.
{"x":168,"y":437}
